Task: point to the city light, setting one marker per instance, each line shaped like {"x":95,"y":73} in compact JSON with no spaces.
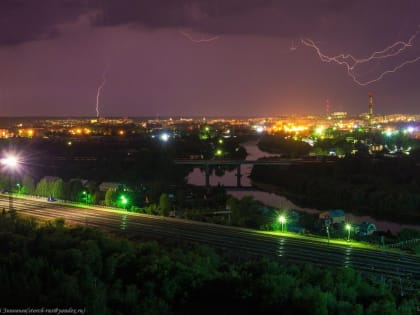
{"x":11,"y":162}
{"x":282,"y":219}
{"x":348,"y":228}
{"x":319,"y":131}
{"x":389,"y":132}
{"x":85,"y":196}
{"x":410,"y":129}
{"x":164,"y":137}
{"x":291,"y":128}
{"x":124,"y":201}
{"x":259,"y":129}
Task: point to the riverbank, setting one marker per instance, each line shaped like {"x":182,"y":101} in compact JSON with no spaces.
{"x":272,"y":196}
{"x":279,"y":200}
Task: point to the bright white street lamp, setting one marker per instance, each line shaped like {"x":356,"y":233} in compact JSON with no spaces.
{"x":11,"y":163}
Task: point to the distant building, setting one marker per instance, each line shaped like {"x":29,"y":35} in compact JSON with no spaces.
{"x":333,"y":216}
{"x":376,"y":148}
{"x":339,"y":115}
{"x":365,"y":229}
{"x":293,"y":217}
{"x":5,"y":133}
{"x":109,"y":185}
{"x":196,"y":156}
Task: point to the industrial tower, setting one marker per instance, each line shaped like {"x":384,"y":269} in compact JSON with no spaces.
{"x":370,"y":113}
{"x":327,"y":107}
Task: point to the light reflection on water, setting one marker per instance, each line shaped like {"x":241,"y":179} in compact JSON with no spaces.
{"x":196,"y":177}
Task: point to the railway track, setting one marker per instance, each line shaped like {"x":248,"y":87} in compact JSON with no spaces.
{"x":288,"y":249}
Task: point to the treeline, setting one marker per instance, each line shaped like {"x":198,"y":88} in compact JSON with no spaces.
{"x":156,"y":198}
{"x":189,"y":202}
{"x":341,"y":143}
{"x":54,"y":266}
{"x":286,"y":147}
{"x":72,"y":190}
{"x":384,"y":188}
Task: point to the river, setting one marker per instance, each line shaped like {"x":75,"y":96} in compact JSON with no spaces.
{"x":196,"y":177}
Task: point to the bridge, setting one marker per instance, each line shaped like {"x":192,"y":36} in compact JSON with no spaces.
{"x":237,"y":163}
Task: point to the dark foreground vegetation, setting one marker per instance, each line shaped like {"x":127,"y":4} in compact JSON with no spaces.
{"x":51,"y":265}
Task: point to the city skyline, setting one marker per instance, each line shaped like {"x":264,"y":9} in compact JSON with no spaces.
{"x":206,"y":58}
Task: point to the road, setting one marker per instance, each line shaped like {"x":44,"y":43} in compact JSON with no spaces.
{"x":390,"y":265}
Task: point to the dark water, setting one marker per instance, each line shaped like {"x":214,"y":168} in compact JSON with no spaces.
{"x":229,"y":179}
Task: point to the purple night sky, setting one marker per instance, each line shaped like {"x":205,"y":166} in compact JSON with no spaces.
{"x":53,"y":54}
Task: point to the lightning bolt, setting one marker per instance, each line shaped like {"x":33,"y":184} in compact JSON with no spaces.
{"x":98,"y":92}
{"x":199,"y":40}
{"x":351,"y":63}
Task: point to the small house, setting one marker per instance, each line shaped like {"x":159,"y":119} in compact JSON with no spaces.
{"x":109,"y":185}
{"x":365,"y":229}
{"x":333,"y":216}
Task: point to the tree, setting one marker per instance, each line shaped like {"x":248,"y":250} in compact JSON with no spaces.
{"x":110,"y":197}
{"x":96,"y":197}
{"x":73,"y":189}
{"x":4,"y":181}
{"x":180,"y":198}
{"x":42,"y":188}
{"x":57,"y":190}
{"x":28,"y":185}
{"x":246,"y":212}
{"x":164,"y":205}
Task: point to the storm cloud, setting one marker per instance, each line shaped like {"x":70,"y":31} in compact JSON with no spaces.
{"x":25,"y":20}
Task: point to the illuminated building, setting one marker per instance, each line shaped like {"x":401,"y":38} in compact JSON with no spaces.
{"x":338,"y":115}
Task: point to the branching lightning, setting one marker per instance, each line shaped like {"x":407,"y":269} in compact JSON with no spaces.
{"x":293,"y":47}
{"x":98,"y":93}
{"x":351,"y":63}
{"x":199,"y":40}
